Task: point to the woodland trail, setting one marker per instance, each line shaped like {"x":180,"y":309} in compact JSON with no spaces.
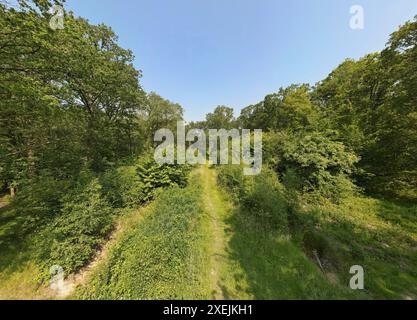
{"x":202,"y":208}
{"x":191,"y":243}
{"x":214,"y":207}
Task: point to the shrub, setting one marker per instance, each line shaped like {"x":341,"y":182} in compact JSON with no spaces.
{"x":272,"y":145}
{"x":130,"y":186}
{"x":155,"y":177}
{"x":71,"y":239}
{"x":322,"y":166}
{"x":265,"y":198}
{"x":232,"y":179}
{"x":38,"y":201}
{"x":260,"y":195}
{"x":123,"y":187}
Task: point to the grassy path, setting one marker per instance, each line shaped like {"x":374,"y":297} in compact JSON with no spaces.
{"x":228,"y":280}
{"x":249,"y":260}
{"x":215,"y":208}
{"x":177,"y":251}
{"x":193,"y":243}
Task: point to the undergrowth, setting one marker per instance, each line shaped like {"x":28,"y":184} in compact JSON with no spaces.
{"x":163,"y":257}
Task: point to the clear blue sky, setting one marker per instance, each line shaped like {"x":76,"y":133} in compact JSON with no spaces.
{"x":203,"y":53}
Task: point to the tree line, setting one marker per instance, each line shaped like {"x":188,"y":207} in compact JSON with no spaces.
{"x":70,"y":99}
{"x":368,"y":106}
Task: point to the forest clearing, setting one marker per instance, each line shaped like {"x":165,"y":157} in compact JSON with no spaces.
{"x":98,"y":203}
{"x":193,"y":243}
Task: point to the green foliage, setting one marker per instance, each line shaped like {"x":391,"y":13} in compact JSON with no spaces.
{"x":264,"y":262}
{"x":72,"y":108}
{"x":371,"y":103}
{"x":289,"y":109}
{"x":322,"y":163}
{"x":160,"y":113}
{"x":66,"y":221}
{"x":377,"y":234}
{"x":71,"y":239}
{"x":162,"y":176}
{"x":71,"y":98}
{"x":163,"y":257}
{"x":123,"y":187}
{"x":130,"y":186}
{"x":221,"y":118}
{"x":41,"y":199}
{"x":319,"y":165}
{"x":265,"y":198}
{"x":232,"y":179}
{"x":262,"y":195}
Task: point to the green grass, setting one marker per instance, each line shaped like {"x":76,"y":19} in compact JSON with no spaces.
{"x":17,"y":269}
{"x":195,"y":243}
{"x":263,"y":263}
{"x":272,"y":267}
{"x":379,"y":235}
{"x":165,"y":256}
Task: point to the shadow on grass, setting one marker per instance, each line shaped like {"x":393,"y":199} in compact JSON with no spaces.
{"x":14,"y":248}
{"x":273,"y":266}
{"x":374,"y":234}
{"x":403,"y":214}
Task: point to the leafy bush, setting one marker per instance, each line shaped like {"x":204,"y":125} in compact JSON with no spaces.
{"x":39,"y":200}
{"x":156,"y":177}
{"x":325,"y":165}
{"x":233,"y":180}
{"x":261,"y":195}
{"x":123,"y":187}
{"x":71,"y":239}
{"x":321,"y":166}
{"x":130,"y":186}
{"x":265,"y":198}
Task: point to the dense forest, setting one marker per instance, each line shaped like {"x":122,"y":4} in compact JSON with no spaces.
{"x":81,"y":190}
